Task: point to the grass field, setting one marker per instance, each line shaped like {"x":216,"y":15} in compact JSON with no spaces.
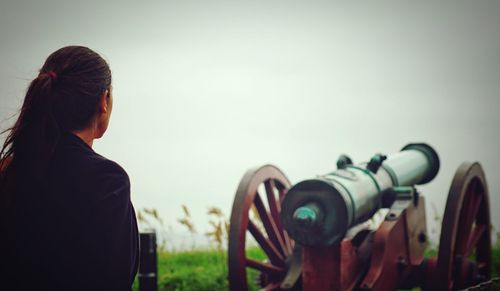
{"x":205,"y":270}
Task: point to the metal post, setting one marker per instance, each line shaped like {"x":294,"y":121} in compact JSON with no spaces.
{"x":148,"y":262}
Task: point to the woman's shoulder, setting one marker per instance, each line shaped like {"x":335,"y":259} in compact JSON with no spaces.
{"x":106,"y":172}
{"x":94,"y":172}
{"x":112,"y":179}
{"x":113,"y":171}
{"x":96,"y":178}
{"x":74,"y":152}
{"x":106,"y":166}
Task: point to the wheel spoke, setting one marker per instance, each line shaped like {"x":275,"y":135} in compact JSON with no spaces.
{"x":470,"y":215}
{"x":275,"y":208}
{"x":264,"y":267}
{"x":474,"y":238}
{"x":272,"y":230}
{"x":288,"y":242}
{"x":274,"y":256}
{"x":271,"y":199}
{"x":478,"y":198}
{"x":281,"y":193}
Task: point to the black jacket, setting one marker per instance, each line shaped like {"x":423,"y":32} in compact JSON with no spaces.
{"x":75,"y":229}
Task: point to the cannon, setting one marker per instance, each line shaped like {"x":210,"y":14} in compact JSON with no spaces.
{"x":322,"y":233}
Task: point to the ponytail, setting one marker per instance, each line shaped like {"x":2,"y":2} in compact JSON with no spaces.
{"x":33,"y":136}
{"x":36,"y":132}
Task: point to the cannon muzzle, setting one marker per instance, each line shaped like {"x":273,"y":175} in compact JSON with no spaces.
{"x":320,"y":211}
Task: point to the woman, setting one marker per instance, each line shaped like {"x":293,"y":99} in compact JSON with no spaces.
{"x":67,"y":222}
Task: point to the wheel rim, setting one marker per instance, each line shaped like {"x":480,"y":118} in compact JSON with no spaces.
{"x":465,"y":231}
{"x":267,"y":230}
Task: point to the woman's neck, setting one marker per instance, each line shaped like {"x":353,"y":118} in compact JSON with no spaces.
{"x":87,"y":135}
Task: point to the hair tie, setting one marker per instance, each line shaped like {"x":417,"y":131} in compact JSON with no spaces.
{"x":52,"y":75}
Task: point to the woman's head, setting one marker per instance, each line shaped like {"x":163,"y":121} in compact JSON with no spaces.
{"x":71,"y":93}
{"x":77,"y":77}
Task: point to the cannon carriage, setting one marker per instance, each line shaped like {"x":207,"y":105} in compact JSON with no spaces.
{"x":315,"y":233}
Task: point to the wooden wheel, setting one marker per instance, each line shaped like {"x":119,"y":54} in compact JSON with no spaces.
{"x":257,"y":214}
{"x":464,"y":257}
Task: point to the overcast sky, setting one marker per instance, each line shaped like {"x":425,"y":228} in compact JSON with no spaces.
{"x":206,"y":89}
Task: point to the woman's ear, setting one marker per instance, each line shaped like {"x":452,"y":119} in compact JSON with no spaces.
{"x":104,"y":102}
{"x":103,"y":113}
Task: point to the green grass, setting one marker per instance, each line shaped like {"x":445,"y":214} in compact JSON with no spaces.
{"x":205,"y":270}
{"x":258,"y":255}
{"x":198,"y":270}
{"x":193,"y":270}
{"x":496,"y":264}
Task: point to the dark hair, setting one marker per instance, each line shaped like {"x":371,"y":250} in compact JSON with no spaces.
{"x":63,"y":97}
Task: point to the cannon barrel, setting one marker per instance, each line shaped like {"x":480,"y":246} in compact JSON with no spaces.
{"x":320,"y":211}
